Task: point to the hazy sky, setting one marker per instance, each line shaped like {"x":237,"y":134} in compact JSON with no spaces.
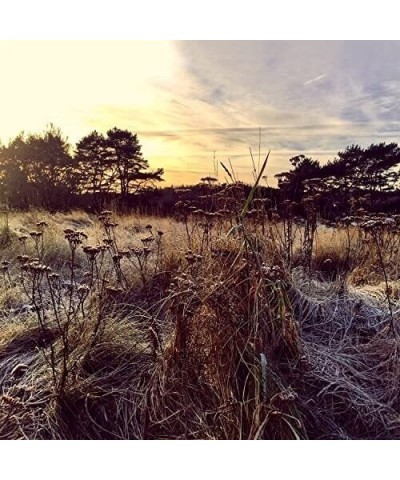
{"x":187,"y":99}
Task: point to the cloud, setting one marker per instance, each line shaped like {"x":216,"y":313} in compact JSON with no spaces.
{"x":188,"y":99}
{"x":318,"y":78}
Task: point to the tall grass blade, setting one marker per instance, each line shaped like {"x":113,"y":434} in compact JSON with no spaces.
{"x":227,"y":171}
{"x":254,"y":188}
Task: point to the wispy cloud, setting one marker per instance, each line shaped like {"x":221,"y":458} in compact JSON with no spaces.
{"x":315,"y":79}
{"x":189,"y":99}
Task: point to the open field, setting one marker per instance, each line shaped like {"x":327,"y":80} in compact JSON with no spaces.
{"x":203,"y":326}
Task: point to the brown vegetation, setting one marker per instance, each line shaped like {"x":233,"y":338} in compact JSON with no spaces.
{"x":225,"y":322}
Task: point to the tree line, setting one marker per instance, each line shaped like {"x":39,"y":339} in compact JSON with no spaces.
{"x":42,"y":170}
{"x":369,"y":174}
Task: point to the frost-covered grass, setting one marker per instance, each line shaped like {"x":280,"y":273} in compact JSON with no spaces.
{"x":131,"y":327}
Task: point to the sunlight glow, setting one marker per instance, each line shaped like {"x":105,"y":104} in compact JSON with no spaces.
{"x":186,"y":100}
{"x":80,"y":86}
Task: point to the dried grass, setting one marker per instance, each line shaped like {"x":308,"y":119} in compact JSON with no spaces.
{"x":223,"y":342}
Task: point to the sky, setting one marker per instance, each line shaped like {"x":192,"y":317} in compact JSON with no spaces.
{"x":191,"y":101}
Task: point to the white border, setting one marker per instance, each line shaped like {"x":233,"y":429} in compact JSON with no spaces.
{"x":206,"y":19}
{"x":175,"y":19}
{"x":199,"y":460}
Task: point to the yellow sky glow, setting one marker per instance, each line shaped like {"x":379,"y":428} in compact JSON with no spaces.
{"x":143,"y":86}
{"x":81,"y":86}
{"x":186,"y":100}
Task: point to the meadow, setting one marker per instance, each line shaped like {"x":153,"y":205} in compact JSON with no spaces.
{"x":227,"y":322}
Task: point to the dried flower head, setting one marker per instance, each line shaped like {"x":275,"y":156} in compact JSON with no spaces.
{"x":113,"y":291}
{"x":91,"y":252}
{"x":83,"y":291}
{"x":42,"y":224}
{"x":147,"y":240}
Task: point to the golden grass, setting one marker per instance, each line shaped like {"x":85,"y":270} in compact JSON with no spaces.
{"x":210,"y":336}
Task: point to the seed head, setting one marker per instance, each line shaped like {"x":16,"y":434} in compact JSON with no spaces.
{"x":91,"y":252}
{"x":113,"y":291}
{"x":82,"y":291}
{"x":42,"y":224}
